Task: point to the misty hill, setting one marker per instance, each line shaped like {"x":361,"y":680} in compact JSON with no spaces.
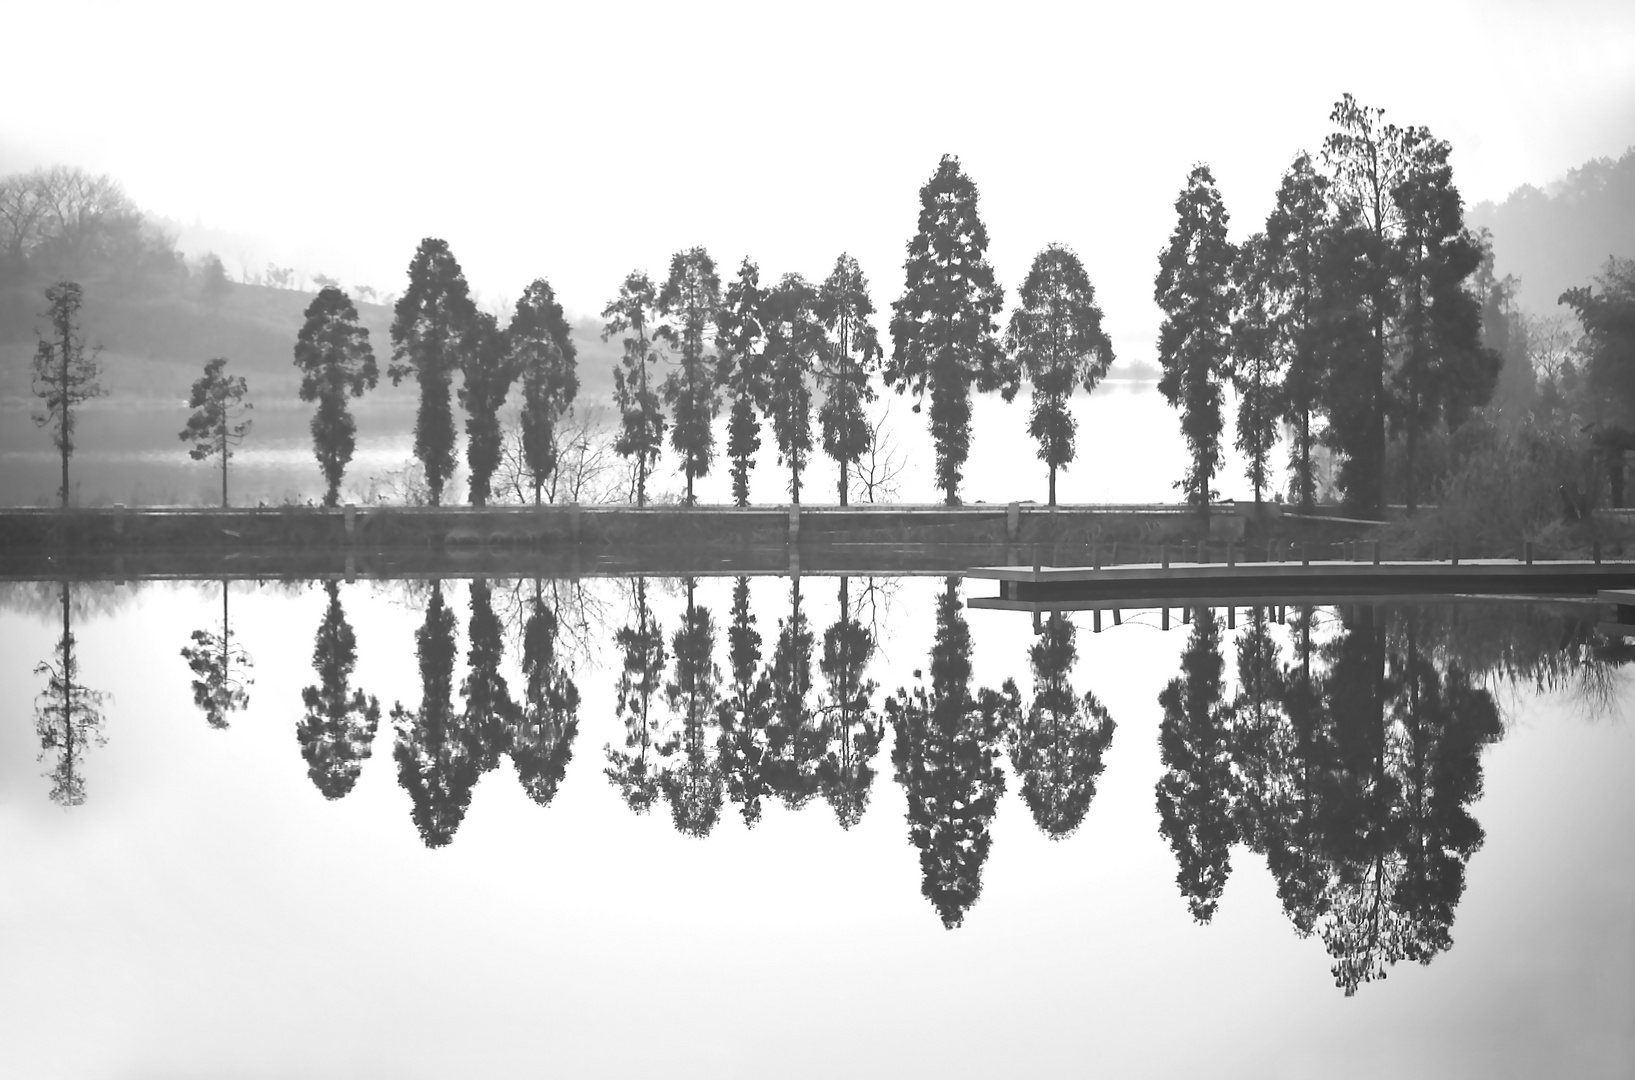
{"x":1560,"y":236}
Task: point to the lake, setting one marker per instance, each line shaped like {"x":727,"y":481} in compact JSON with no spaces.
{"x":811,"y":826}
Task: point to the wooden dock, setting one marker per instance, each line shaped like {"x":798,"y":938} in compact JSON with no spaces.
{"x":1071,"y":588}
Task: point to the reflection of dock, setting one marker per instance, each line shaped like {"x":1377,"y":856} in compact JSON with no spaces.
{"x":1088,"y":588}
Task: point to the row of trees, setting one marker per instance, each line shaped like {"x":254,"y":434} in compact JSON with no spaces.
{"x":1351,"y":314}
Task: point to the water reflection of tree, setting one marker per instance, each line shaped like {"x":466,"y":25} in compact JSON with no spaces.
{"x":944,"y":756}
{"x":744,"y":712}
{"x":1358,"y":782}
{"x":641,"y":644}
{"x":851,"y":728}
{"x":1196,"y":793}
{"x":691,"y":778}
{"x":67,"y":714}
{"x":338,"y":730}
{"x":438,"y":757}
{"x":1057,"y":745}
{"x":221,"y":670}
{"x":795,"y":741}
{"x":544,"y":727}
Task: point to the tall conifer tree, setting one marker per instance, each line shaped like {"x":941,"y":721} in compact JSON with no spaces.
{"x":489,"y":374}
{"x":743,"y":372}
{"x":691,"y":301}
{"x":943,"y":330}
{"x":1194,"y":289}
{"x":641,"y":427}
{"x":433,"y":326}
{"x":543,"y":354}
{"x":852,"y":352}
{"x":793,"y":339}
{"x":332,"y":350}
{"x":1057,"y":341}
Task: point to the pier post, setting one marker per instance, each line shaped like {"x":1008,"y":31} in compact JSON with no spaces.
{"x":1117,"y":620}
{"x":1595,"y":551}
{"x":1163,"y":621}
{"x":1095,"y":622}
{"x":1527,"y":551}
{"x":1163,"y":556}
{"x":1376,"y":552}
{"x":351,"y":569}
{"x":1035,"y":560}
{"x":1038,"y":627}
{"x":1231,"y":618}
{"x":1013,"y":522}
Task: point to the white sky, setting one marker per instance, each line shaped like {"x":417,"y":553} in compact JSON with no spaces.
{"x":581,"y":142}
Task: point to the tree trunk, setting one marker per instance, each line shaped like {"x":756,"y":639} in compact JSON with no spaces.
{"x":63,"y":405}
{"x":224,"y":463}
{"x":794,"y":483}
{"x":843,"y":500}
{"x":689,"y":492}
{"x":1053,"y":485}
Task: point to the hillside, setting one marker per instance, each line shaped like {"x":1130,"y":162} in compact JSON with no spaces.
{"x":1560,"y":236}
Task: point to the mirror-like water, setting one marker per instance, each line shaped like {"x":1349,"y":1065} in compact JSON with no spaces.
{"x":752,"y":826}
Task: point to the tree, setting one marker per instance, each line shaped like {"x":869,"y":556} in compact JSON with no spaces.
{"x":439,"y":760}
{"x":217,"y":402}
{"x":691,"y":300}
{"x":793,"y":339}
{"x":490,"y":713}
{"x":642,"y":644}
{"x":67,"y":714}
{"x":337,"y":733}
{"x":1445,"y":371}
{"x":215,"y":285}
{"x":943,"y":328}
{"x":851,"y":727}
{"x":65,"y":377}
{"x":1256,"y":360}
{"x":1197,"y":792}
{"x":1367,"y":159}
{"x":1288,"y":283}
{"x":542,"y":352}
{"x":541,"y":739}
{"x":745,"y":713}
{"x":1056,"y":341}
{"x":851,"y":354}
{"x":641,"y":434}
{"x":743,"y":372}
{"x":943,"y":754}
{"x":1194,"y":289}
{"x":1057,"y":747}
{"x":217,"y":688}
{"x":333,"y":352}
{"x":1608,"y":319}
{"x":795,"y":740}
{"x":433,"y":326}
{"x":693,"y":785}
{"x":488,"y":377}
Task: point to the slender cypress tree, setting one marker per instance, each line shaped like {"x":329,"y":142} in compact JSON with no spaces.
{"x":65,"y":377}
{"x":333,"y":353}
{"x":1058,"y":343}
{"x":543,"y":354}
{"x":1297,"y":235}
{"x":488,"y":374}
{"x":851,"y":354}
{"x":433,"y":327}
{"x":1256,"y":361}
{"x":641,"y":431}
{"x":794,"y":338}
{"x":1194,"y":289}
{"x":943,"y":329}
{"x":691,"y":301}
{"x":743,"y":372}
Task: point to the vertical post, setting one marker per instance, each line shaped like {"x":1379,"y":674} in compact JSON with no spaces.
{"x":1095,"y":621}
{"x":1304,"y":560}
{"x":1595,"y":551}
{"x":794,"y":524}
{"x":1163,"y":623}
{"x":1013,"y":522}
{"x":1376,"y":552}
{"x":1038,"y":628}
{"x":349,"y":514}
{"x":1527,"y":551}
{"x":1117,"y":619}
{"x":1163,"y":555}
{"x":1231,"y":618}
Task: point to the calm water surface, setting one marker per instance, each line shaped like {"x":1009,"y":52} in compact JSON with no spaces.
{"x":755,"y":827}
